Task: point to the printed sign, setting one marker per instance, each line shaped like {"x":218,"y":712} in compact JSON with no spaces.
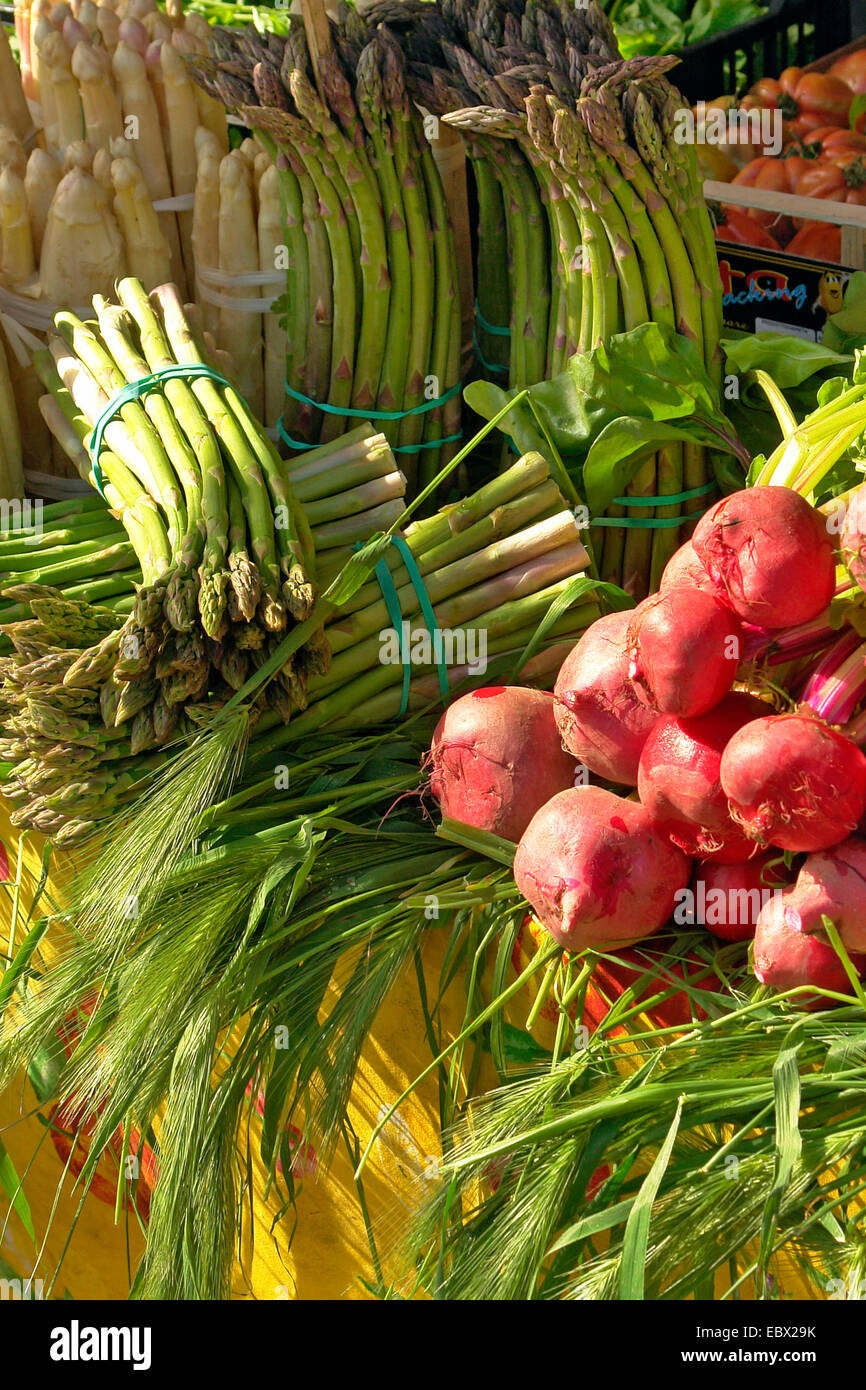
{"x":771,"y":292}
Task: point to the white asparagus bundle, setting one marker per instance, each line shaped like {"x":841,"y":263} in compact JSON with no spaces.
{"x":14,"y":111}
{"x":139,"y":103}
{"x":42,"y":30}
{"x":60,"y":96}
{"x":41,"y":178}
{"x":108,"y":23}
{"x":82,"y":250}
{"x":17,"y":263}
{"x":147,"y":252}
{"x":101,"y":170}
{"x":238,"y":255}
{"x":36,"y":442}
{"x":11,"y":459}
{"x":205,"y":224}
{"x":270,"y":229}
{"x":182,"y":112}
{"x":12,"y":155}
{"x":103,"y":120}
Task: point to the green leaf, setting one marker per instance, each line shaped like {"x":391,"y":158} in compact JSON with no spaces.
{"x":521,"y":1049}
{"x":789,"y":1143}
{"x":619,"y":451}
{"x":789,"y":361}
{"x":593,"y":1225}
{"x":11,"y":1185}
{"x":636,"y":1237}
{"x":649,"y":374}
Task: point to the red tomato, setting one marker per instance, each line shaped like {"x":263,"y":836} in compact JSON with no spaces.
{"x":305,"y":1161}
{"x":69,"y":1136}
{"x":820,"y":240}
{"x":840,"y":177}
{"x":832,"y":139}
{"x":808,"y":99}
{"x":610,"y":980}
{"x":776,"y":176}
{"x":851,"y":69}
{"x":743,"y":230}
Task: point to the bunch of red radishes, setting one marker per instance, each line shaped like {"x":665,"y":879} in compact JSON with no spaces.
{"x":728,"y":790}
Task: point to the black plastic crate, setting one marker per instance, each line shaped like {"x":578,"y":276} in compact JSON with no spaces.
{"x":791,"y":33}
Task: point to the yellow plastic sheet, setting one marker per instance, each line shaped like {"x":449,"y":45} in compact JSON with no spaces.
{"x":330,"y":1256}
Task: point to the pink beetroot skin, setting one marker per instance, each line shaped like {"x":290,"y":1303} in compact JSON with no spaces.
{"x":793,"y":782}
{"x":684,"y":647}
{"x":678,"y":780}
{"x":496,"y":756}
{"x":685,"y":571}
{"x":733,"y":895}
{"x":786,"y":959}
{"x":770,"y":555}
{"x":832,"y":884}
{"x":852,"y":543}
{"x":601,"y":720}
{"x":596,"y":870}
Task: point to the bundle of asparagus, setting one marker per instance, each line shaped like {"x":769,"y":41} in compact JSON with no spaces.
{"x":114,"y":71}
{"x":226,"y":554}
{"x":372,"y":305}
{"x":492,"y":567}
{"x":599,"y":208}
{"x":76,"y":548}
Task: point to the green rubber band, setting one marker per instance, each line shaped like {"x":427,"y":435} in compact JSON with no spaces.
{"x":491,"y":328}
{"x":395,"y":448}
{"x":645,"y":523}
{"x":665,"y":501}
{"x":392,"y":603}
{"x":426,"y":609}
{"x":373,"y":414}
{"x":488,"y":366}
{"x":395,"y":613}
{"x":131,"y":392}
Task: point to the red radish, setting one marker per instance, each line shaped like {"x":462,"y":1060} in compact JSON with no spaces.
{"x":785,"y":958}
{"x":596,"y":870}
{"x":728,"y":898}
{"x":684,"y":647}
{"x":794,"y":782}
{"x":853,"y":540}
{"x":497,"y":757}
{"x":770,"y":555}
{"x":833,"y":884}
{"x":678,"y":779}
{"x":685,"y":571}
{"x":600,"y":718}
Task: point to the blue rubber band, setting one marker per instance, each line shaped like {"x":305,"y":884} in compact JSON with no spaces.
{"x":395,"y":613}
{"x":491,"y":328}
{"x":131,"y":392}
{"x":373,"y":414}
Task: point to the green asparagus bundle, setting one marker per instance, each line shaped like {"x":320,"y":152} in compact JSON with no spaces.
{"x":76,"y":547}
{"x":372,"y":305}
{"x":579,"y":177}
{"x":493,"y":567}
